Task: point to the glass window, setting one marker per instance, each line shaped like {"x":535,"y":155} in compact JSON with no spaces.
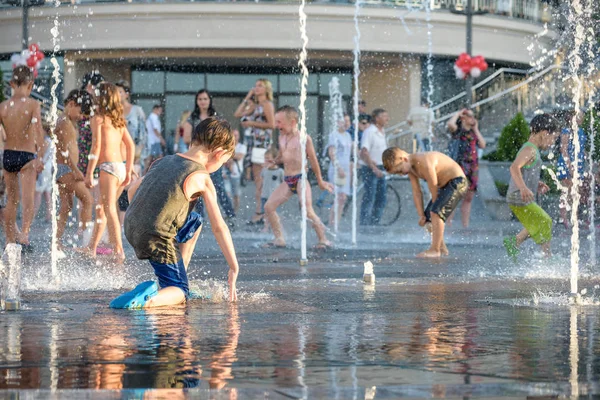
{"x":291,"y":83}
{"x":184,"y":82}
{"x":147,"y":82}
{"x":345,"y":83}
{"x":175,"y":105}
{"x":147,"y":105}
{"x":236,"y":83}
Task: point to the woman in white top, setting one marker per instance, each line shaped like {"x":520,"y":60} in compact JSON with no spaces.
{"x":339,"y":150}
{"x":258,"y":115}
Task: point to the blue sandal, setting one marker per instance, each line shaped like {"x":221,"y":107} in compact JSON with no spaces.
{"x":137,"y":298}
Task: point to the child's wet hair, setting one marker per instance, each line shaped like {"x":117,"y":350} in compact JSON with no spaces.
{"x":544,"y":122}
{"x":109,"y":104}
{"x":214,"y":133}
{"x":289,"y":111}
{"x":391,"y":156}
{"x":82,"y":99}
{"x":22,"y":75}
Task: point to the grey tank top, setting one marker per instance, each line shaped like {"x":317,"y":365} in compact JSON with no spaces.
{"x":159,"y":209}
{"x":531,"y":177}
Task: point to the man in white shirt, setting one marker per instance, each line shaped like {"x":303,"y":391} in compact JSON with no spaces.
{"x":373,"y":145}
{"x":420,"y":120}
{"x":155,"y":140}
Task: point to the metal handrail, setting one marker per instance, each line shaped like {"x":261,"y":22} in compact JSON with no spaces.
{"x":475,"y":87}
{"x":506,"y":91}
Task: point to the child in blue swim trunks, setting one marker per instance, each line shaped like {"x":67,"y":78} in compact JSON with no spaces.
{"x":160,"y":222}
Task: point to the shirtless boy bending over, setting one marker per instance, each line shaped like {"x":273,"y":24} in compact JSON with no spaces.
{"x":446,"y":182}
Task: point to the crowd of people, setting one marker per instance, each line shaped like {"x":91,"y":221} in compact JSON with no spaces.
{"x":113,"y":160}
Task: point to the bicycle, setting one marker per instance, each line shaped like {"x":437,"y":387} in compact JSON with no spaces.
{"x":391,"y":213}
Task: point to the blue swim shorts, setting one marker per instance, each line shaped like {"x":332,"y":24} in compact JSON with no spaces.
{"x":172,"y":275}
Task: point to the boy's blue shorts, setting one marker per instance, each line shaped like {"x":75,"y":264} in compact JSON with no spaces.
{"x":172,"y":275}
{"x":175,"y":274}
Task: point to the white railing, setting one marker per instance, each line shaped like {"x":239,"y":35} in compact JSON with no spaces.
{"x":498,"y":75}
{"x":540,"y":91}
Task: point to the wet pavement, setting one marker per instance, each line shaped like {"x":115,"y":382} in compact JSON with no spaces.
{"x":470,"y":325}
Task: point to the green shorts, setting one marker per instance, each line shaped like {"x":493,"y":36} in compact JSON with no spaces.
{"x":537,"y":222}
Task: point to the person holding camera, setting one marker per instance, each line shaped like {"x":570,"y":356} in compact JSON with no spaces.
{"x":466,"y":139}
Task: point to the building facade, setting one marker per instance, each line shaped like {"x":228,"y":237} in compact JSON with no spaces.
{"x":170,"y":50}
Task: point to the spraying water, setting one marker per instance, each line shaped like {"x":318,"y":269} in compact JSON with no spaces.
{"x":592,"y":204}
{"x":356,"y":52}
{"x":303,"y":137}
{"x":53,"y":119}
{"x":336,"y":115}
{"x":429,"y":62}
{"x":575,"y":16}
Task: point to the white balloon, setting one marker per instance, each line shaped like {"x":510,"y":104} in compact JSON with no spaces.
{"x":475,"y":72}
{"x":15,"y":57}
{"x":25,"y":53}
{"x":459,"y":73}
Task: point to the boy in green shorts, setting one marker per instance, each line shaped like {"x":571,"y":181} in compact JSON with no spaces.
{"x":525,"y":181}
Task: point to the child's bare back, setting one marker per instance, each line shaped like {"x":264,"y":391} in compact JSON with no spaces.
{"x":445,"y":168}
{"x":22,"y":121}
{"x":110,"y":140}
{"x":67,"y":141}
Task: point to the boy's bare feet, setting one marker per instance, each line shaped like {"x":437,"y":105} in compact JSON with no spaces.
{"x":429,"y":254}
{"x":444,"y":250}
{"x":118,"y":258}
{"x":324,"y":245}
{"x":87,"y":252}
{"x":274,"y":244}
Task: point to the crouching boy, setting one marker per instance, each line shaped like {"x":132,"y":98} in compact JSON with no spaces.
{"x":446,"y":182}
{"x":160,"y":222}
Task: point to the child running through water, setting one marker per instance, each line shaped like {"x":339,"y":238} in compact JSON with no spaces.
{"x":109,"y":130}
{"x":70,"y":179}
{"x":21,"y":118}
{"x":290,"y":154}
{"x":525,"y":181}
{"x":446,"y":182}
{"x":160,"y":222}
{"x":272,"y":177}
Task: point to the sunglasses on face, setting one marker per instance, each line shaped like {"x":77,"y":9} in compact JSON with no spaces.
{"x":364,"y":122}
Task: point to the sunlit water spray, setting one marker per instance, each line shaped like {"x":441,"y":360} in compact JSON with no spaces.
{"x":53,"y":119}
{"x":592,"y":205}
{"x":575,"y":61}
{"x":303,"y":134}
{"x":429,"y":64}
{"x":335,"y":116}
{"x":356,"y":70}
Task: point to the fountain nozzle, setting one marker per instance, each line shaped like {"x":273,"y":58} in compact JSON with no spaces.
{"x":368,"y":274}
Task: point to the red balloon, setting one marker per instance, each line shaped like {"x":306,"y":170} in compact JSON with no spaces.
{"x":39,"y":56}
{"x":483,"y":66}
{"x":31,"y":62}
{"x":34,"y":48}
{"x":466,"y":69}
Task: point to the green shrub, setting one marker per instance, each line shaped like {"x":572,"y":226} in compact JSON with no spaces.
{"x":513,"y":136}
{"x":492,"y":156}
{"x":502,"y":188}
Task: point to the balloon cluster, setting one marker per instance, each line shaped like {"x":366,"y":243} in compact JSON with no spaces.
{"x":466,"y":65}
{"x":31,"y":57}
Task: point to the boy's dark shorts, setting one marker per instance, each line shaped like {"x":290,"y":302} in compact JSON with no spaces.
{"x":448,"y":198}
{"x":123,"y":201}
